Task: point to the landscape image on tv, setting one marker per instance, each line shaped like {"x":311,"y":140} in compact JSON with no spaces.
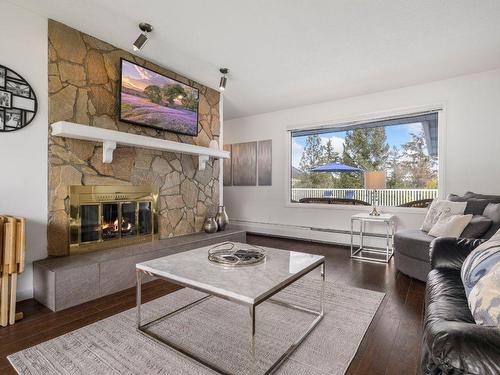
{"x":151,"y":99}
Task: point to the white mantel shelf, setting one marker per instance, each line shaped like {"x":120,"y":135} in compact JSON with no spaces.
{"x":111,"y":138}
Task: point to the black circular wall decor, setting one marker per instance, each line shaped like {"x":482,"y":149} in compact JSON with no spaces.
{"x":18,"y":102}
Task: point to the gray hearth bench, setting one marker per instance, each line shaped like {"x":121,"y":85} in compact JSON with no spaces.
{"x":62,"y":282}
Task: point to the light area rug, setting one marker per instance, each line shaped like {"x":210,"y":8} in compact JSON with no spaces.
{"x":217,"y":330}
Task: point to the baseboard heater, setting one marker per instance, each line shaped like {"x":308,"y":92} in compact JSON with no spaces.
{"x":302,"y":227}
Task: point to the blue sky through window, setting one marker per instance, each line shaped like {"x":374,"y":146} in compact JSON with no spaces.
{"x":397,"y":135}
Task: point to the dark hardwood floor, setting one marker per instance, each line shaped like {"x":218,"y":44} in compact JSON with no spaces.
{"x":390,"y":346}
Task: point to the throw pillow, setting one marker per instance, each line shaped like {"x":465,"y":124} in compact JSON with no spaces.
{"x":450,"y":226}
{"x":492,"y":211}
{"x":441,"y":208}
{"x":477,"y":227}
{"x":458,"y":198}
{"x":491,"y":198}
{"x":480,"y":261}
{"x":484,"y":299}
{"x":475,"y":206}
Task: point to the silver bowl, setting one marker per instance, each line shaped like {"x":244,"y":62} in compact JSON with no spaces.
{"x":233,"y":254}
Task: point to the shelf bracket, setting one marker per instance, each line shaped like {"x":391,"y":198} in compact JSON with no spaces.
{"x":107,"y":151}
{"x":202,"y":162}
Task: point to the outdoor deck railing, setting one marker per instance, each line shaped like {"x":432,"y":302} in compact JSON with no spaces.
{"x":386,"y":197}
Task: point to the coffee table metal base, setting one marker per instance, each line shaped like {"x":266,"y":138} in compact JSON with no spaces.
{"x":144,"y":328}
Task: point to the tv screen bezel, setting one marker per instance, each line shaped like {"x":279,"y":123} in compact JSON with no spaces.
{"x":120,"y":118}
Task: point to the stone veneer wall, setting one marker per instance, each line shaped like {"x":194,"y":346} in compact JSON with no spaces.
{"x":84,"y":88}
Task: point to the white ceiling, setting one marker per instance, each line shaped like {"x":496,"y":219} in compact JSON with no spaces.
{"x":286,"y":53}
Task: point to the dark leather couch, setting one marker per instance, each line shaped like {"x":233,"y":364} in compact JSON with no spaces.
{"x":452,"y":342}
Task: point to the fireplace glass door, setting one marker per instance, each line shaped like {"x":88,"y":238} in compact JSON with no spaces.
{"x":90,"y":223}
{"x":104,"y":217}
{"x":101,"y":221}
{"x":145,"y":218}
{"x":110,"y":220}
{"x":129,"y":220}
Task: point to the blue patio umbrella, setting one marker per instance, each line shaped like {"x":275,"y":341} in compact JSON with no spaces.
{"x":336,"y":168}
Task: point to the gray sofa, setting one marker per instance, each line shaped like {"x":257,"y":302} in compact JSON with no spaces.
{"x":411,"y":253}
{"x":411,"y":247}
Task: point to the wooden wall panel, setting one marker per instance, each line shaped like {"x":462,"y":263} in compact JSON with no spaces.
{"x":244,"y":158}
{"x":228,"y":170}
{"x":265,"y":162}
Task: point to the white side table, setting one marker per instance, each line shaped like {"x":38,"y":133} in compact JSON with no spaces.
{"x":373,"y":254}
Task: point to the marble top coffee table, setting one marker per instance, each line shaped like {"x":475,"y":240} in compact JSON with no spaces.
{"x":246,"y":285}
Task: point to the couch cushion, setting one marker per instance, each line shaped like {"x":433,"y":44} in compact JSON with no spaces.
{"x":445,"y":297}
{"x":491,"y":198}
{"x":492,"y":211}
{"x":475,"y":206}
{"x":413,"y":243}
{"x":477,"y":227}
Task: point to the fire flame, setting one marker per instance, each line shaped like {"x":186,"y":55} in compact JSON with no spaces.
{"x":114,"y":226}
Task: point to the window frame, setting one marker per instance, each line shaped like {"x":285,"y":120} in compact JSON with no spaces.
{"x":439,"y":108}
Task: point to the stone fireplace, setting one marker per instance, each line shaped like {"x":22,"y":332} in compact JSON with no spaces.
{"x":157,"y":196}
{"x":110,"y":216}
{"x":84,"y":74}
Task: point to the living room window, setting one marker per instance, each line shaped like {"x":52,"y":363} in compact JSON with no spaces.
{"x":335,"y":165}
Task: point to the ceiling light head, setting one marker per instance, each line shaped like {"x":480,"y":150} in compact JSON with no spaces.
{"x":145,"y":27}
{"x":143,"y":37}
{"x":223,"y":79}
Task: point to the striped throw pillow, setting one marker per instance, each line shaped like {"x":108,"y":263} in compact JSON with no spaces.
{"x":484,"y":299}
{"x":480,"y":261}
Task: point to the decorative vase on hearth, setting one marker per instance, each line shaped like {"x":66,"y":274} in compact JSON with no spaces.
{"x":221,"y":218}
{"x":210,"y":225}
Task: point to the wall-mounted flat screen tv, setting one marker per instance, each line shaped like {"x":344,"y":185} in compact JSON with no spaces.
{"x":148,"y":98}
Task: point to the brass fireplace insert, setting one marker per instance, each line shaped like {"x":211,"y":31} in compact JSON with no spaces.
{"x":110,"y":216}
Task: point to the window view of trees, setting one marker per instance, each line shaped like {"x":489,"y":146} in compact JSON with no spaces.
{"x":408,"y":165}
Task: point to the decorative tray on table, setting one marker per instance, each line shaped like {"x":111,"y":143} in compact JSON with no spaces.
{"x":233,"y":254}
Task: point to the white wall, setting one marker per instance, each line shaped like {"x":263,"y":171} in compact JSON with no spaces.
{"x":23,"y":153}
{"x":471,"y":151}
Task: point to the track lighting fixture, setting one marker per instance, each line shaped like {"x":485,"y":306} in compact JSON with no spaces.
{"x":223,"y":79}
{"x":143,"y":38}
